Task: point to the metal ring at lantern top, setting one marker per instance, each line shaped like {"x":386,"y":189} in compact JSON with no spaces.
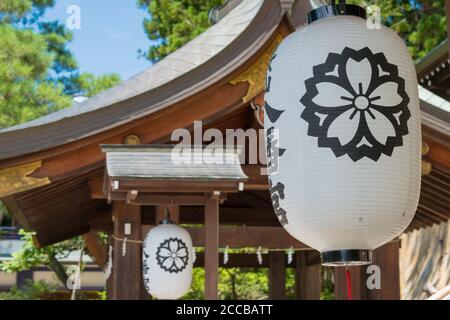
{"x":166,"y":221}
{"x":341,"y":9}
{"x":342,"y":258}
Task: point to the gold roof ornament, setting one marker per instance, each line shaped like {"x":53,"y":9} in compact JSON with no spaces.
{"x":17,"y":179}
{"x":256,"y":74}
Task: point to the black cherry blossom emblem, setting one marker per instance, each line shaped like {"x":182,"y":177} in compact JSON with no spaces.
{"x":172,"y":255}
{"x":356,"y":104}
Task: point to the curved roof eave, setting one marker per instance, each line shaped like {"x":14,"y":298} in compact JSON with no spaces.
{"x":216,"y":53}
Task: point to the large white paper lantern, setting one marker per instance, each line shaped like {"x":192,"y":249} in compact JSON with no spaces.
{"x":167,"y":261}
{"x":343,"y":135}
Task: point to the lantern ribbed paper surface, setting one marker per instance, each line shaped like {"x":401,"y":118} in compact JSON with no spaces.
{"x":343,"y":135}
{"x":167,"y":261}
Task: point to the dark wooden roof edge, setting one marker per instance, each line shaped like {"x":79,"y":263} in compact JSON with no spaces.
{"x":437,"y":56}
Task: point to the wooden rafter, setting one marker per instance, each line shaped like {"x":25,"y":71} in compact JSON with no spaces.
{"x":96,"y":248}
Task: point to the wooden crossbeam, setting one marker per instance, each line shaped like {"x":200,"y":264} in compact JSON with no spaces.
{"x":233,"y":216}
{"x":256,"y":181}
{"x":146,"y":185}
{"x":243,"y":237}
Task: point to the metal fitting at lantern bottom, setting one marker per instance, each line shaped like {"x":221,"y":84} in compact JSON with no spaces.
{"x":346,"y":258}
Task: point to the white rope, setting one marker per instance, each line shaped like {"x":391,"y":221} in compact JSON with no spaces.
{"x":290,"y":255}
{"x":259,"y":256}
{"x":124,"y":247}
{"x":109,"y":264}
{"x":225,"y":256}
{"x":77,"y":281}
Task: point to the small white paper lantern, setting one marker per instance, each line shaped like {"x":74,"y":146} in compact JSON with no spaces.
{"x":343,"y":135}
{"x":167,"y":261}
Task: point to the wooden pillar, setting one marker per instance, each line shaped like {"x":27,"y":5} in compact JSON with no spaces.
{"x":127,"y":270}
{"x":358,"y":283}
{"x":277,"y":275}
{"x":109,"y":281}
{"x":211,"y":247}
{"x":307,"y":275}
{"x":387,"y":259}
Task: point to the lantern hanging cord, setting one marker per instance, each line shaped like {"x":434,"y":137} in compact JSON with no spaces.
{"x":128,"y":240}
{"x":142,"y":242}
{"x":349,"y":283}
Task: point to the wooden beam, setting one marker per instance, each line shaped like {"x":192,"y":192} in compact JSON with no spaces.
{"x":15,"y":210}
{"x":439,"y":154}
{"x":127,"y":270}
{"x":148,"y":185}
{"x":211,"y":247}
{"x":256,"y":181}
{"x":387,"y":259}
{"x":307,"y":275}
{"x":161,"y":199}
{"x":96,"y":185}
{"x":168,"y":200}
{"x":242,"y":237}
{"x":102,"y":221}
{"x":277,"y":275}
{"x":232,"y":216}
{"x":96,"y":248}
{"x":132,"y":195}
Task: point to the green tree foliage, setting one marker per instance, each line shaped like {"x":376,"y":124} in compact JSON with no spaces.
{"x":422,"y":23}
{"x":30,"y":291}
{"x":38,"y":74}
{"x":25,"y":93}
{"x":174,"y":22}
{"x":28,"y":256}
{"x":89,"y":85}
{"x":234,"y":284}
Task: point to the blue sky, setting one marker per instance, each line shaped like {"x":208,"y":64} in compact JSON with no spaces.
{"x":110,"y":35}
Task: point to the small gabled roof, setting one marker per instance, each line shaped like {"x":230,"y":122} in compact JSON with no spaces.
{"x":168,"y":162}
